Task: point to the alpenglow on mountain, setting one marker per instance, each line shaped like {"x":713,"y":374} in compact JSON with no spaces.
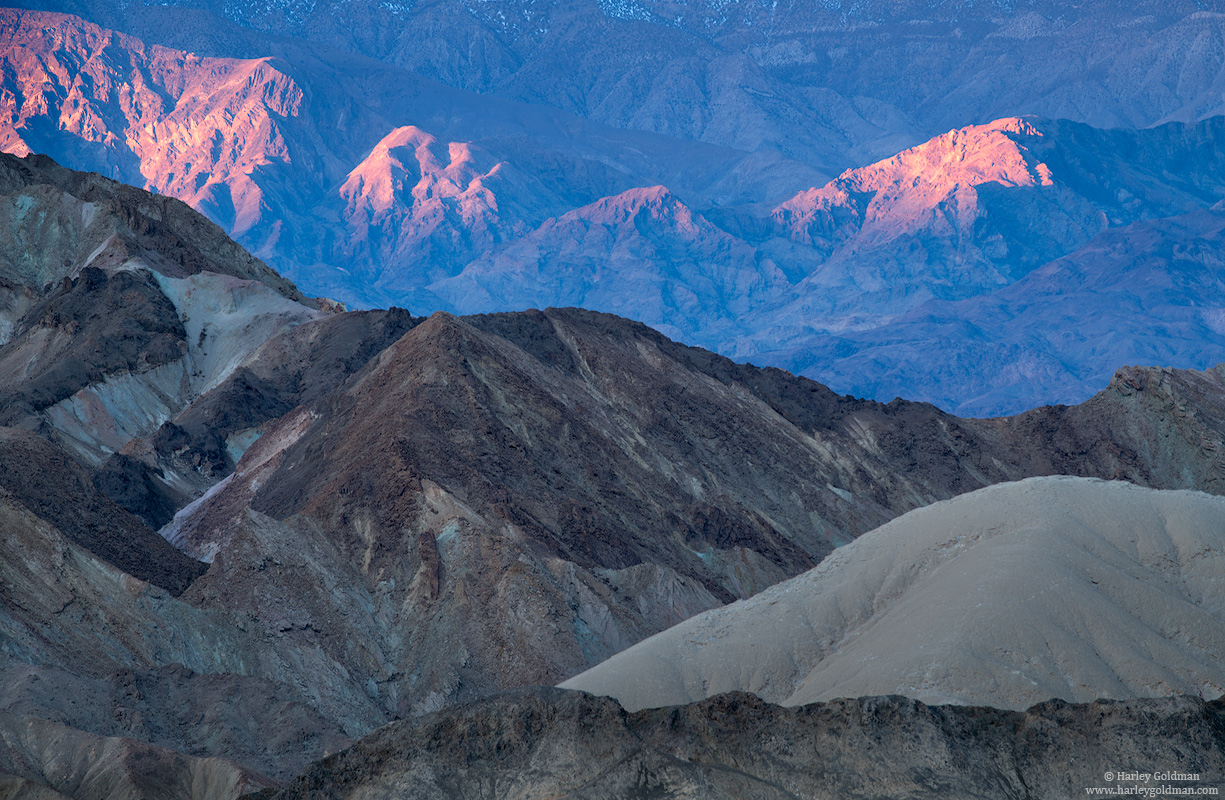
{"x":243,"y":529}
{"x":763,"y":224}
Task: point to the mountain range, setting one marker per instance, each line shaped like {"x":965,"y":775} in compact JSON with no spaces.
{"x":376,"y":516}
{"x":375,"y":185}
{"x":526,"y":523}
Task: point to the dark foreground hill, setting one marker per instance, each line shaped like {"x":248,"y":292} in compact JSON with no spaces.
{"x":552,"y":743}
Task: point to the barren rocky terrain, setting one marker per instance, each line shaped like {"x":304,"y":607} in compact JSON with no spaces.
{"x":380,"y":516}
{"x":550,"y":743}
{"x":1059,"y":587}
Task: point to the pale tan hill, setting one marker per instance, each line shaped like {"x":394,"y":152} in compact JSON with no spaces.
{"x":1053,"y":587}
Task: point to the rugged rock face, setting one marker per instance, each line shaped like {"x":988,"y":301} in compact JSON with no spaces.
{"x":81,"y":218}
{"x":507,"y":463}
{"x":1026,"y":331}
{"x":413,"y":180}
{"x":549,"y":743}
{"x":642,"y":254}
{"x":123,"y":307}
{"x":87,"y":645}
{"x":262,"y":724}
{"x":50,"y":485}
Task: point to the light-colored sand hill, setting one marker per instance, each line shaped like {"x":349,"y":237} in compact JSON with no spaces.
{"x":1063,"y":587}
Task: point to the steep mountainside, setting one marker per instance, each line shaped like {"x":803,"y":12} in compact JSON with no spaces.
{"x":518,"y":471}
{"x":133,"y":317}
{"x":1146,"y":293}
{"x":38,"y":476}
{"x":642,"y":254}
{"x":548,"y":743}
{"x":817,"y":81}
{"x":980,"y":208}
{"x":46,"y":761}
{"x":1008,"y":596}
{"x":398,"y":514}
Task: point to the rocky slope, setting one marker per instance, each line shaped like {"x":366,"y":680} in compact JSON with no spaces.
{"x":549,"y":743}
{"x":516,"y":470}
{"x":45,"y":761}
{"x":641,"y":254}
{"x":38,"y":476}
{"x":1146,"y":293}
{"x":399,"y":514}
{"x":585,"y":509}
{"x":1018,"y":593}
{"x":831,"y":286}
{"x":133,"y":306}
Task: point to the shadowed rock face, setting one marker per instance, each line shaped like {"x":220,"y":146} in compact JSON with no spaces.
{"x":261,"y":724}
{"x":549,"y":743}
{"x":84,"y":217}
{"x":118,"y":309}
{"x":44,"y":480}
{"x":95,"y":325}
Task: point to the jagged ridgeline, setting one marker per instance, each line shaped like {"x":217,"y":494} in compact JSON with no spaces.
{"x":376,"y":515}
{"x":742,"y":177}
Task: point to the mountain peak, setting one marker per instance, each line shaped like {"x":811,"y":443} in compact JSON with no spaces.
{"x":905,"y":192}
{"x":652,"y":202}
{"x":422,"y":187}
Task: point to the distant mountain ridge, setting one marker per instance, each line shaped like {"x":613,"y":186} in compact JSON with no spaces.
{"x":433,"y":198}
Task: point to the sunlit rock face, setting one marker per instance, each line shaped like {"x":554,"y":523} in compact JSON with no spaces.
{"x":372,"y":185}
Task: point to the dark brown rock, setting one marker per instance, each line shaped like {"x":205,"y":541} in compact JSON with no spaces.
{"x":52,"y":486}
{"x":547,"y":743}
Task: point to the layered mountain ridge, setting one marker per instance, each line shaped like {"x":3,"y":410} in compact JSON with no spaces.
{"x":432,"y":198}
{"x":383,"y":515}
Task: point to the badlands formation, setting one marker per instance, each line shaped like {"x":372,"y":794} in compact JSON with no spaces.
{"x":1056,"y":587}
{"x":382,"y":518}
